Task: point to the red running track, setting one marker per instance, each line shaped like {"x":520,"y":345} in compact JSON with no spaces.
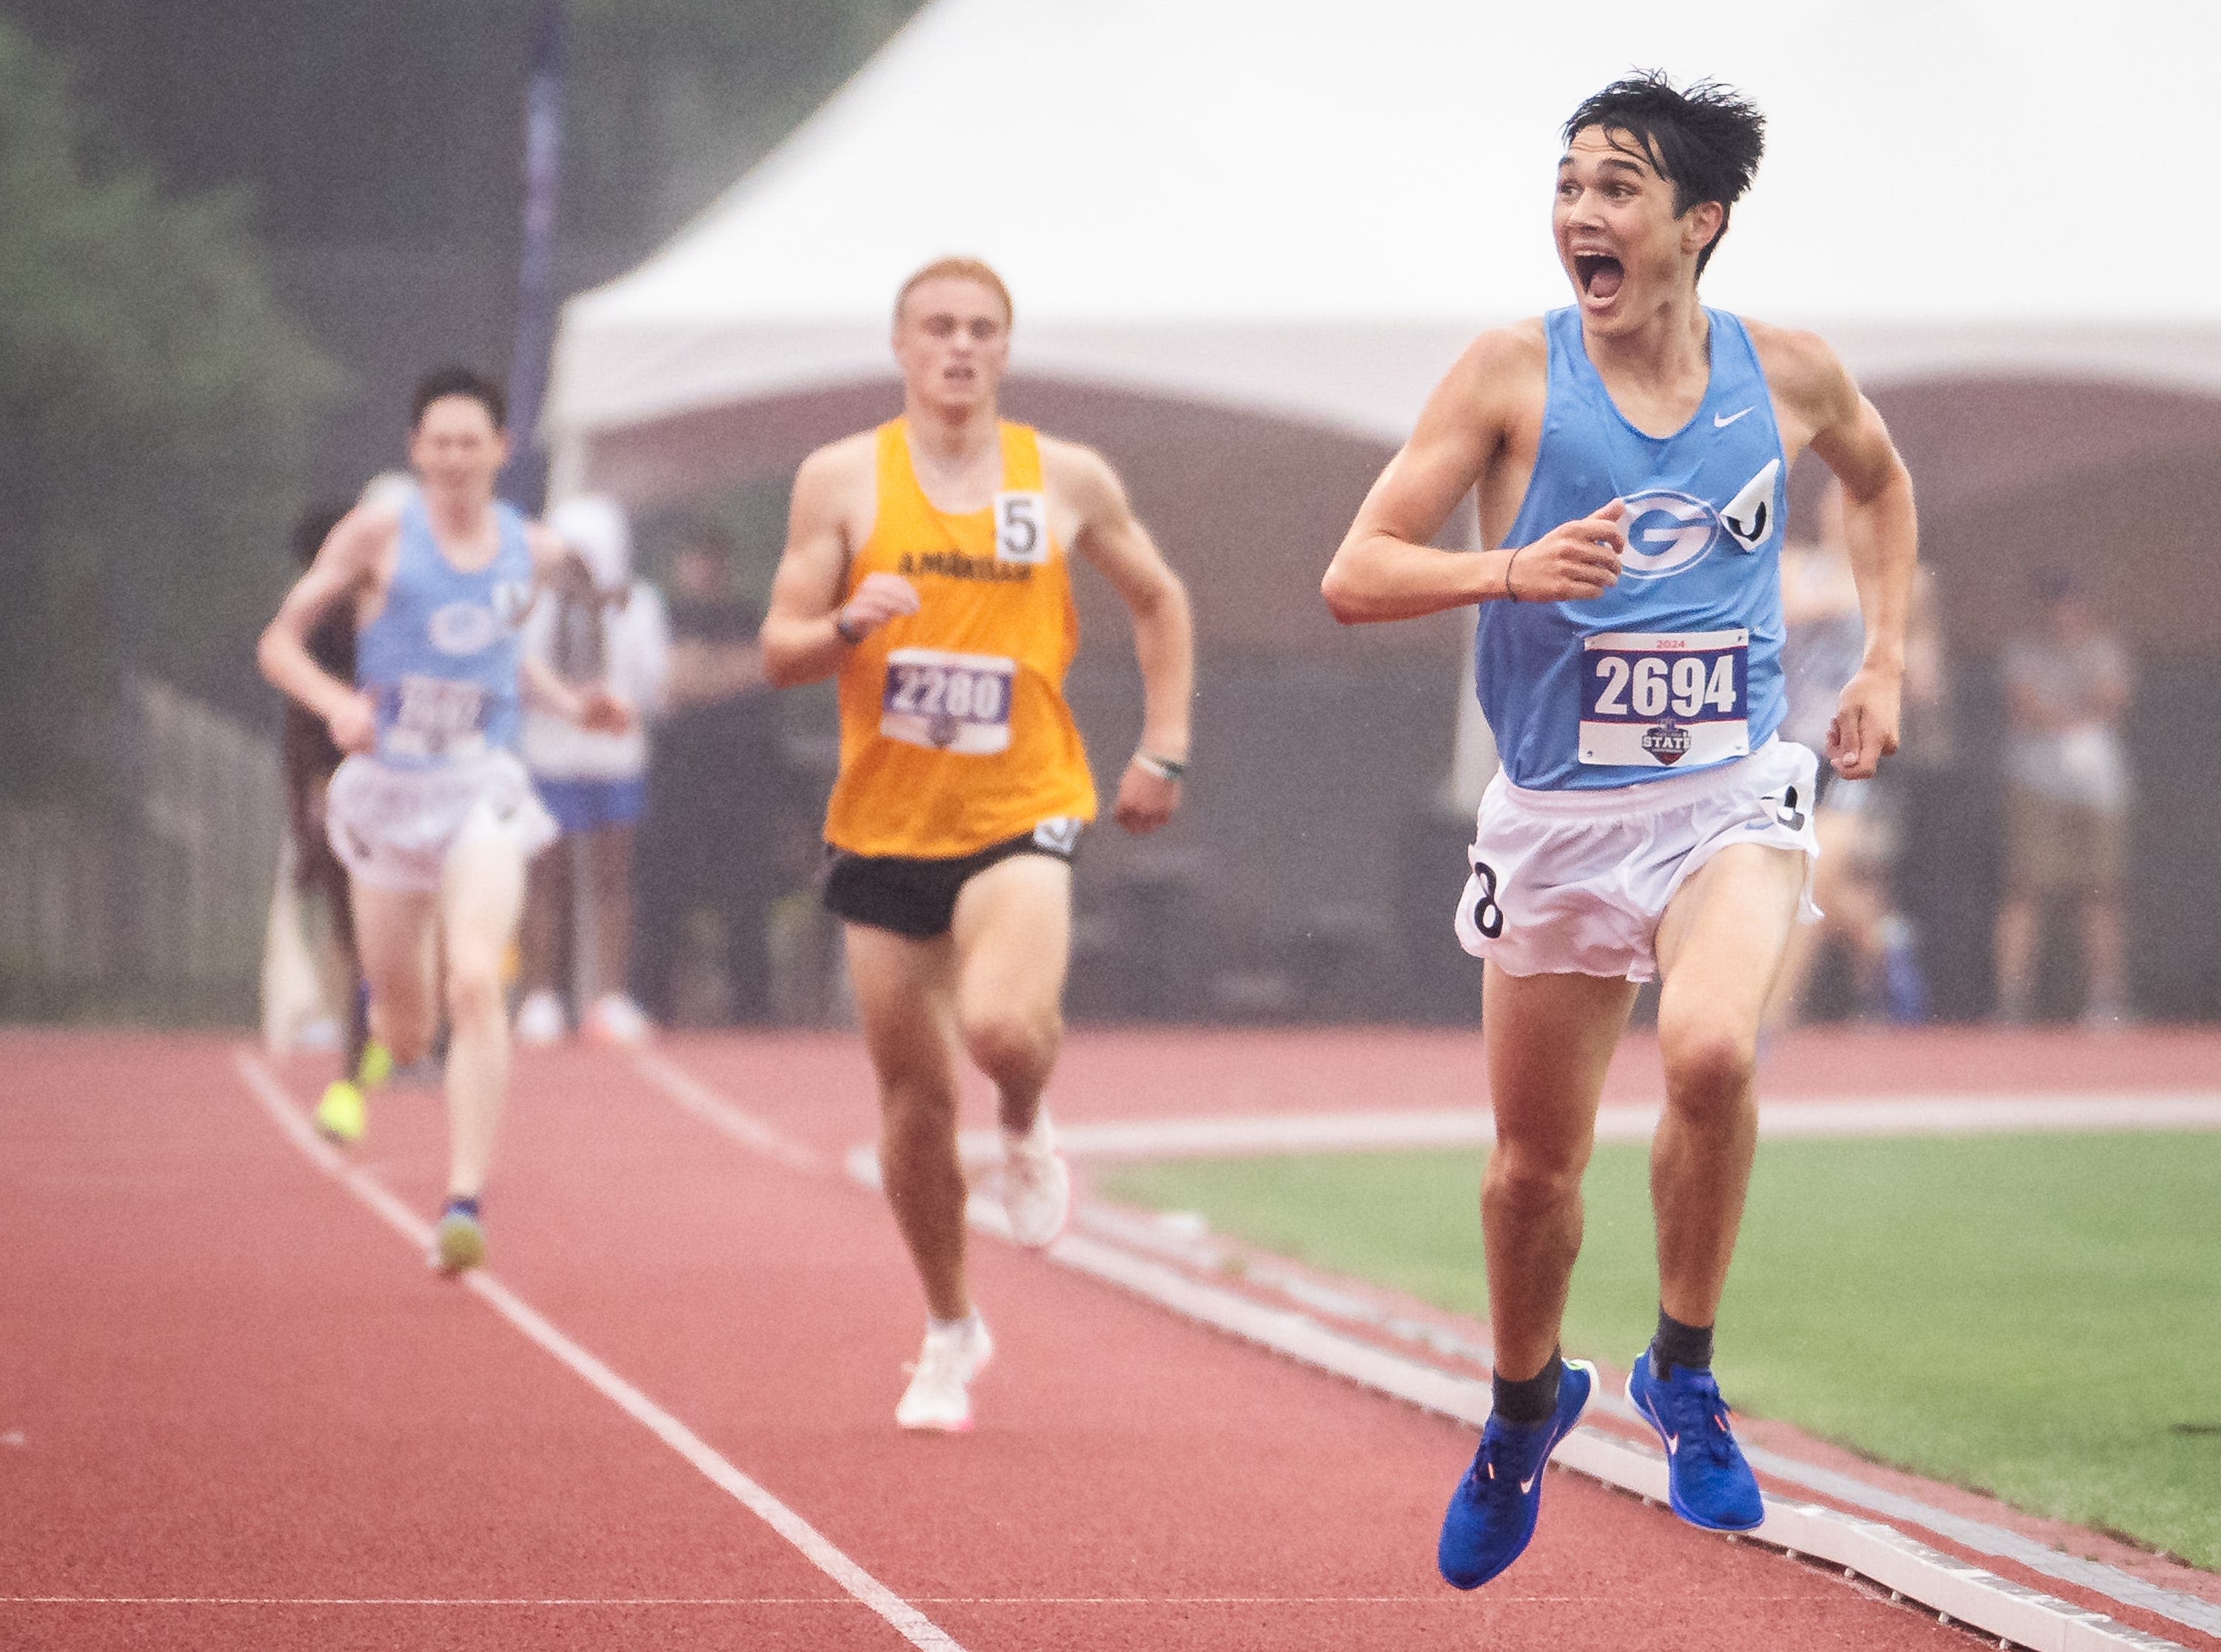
{"x":236,"y":1410}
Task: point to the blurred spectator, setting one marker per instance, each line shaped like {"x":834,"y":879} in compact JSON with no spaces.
{"x":710,"y":861}
{"x":598,"y":625}
{"x":2068,"y":789}
{"x":309,"y":759}
{"x":1859,"y":822}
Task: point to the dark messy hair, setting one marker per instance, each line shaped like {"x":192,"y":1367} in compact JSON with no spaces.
{"x":443,"y":382}
{"x":1706,"y":140}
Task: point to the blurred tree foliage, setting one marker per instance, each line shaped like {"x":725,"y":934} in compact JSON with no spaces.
{"x":671,"y":100}
{"x":153,"y":407}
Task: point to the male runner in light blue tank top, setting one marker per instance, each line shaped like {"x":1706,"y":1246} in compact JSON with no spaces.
{"x":432,"y":813}
{"x":1630,"y":454}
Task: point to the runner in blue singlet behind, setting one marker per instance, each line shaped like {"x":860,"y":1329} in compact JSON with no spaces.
{"x":1629,"y":453}
{"x":431,"y":812}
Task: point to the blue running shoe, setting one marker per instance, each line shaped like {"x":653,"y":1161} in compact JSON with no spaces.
{"x":1710,"y":1484}
{"x":1492,"y":1513}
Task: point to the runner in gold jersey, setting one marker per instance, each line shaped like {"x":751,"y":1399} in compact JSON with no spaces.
{"x":927,"y":569}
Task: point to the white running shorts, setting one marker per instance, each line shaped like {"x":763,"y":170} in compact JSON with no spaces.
{"x":394,"y":828}
{"x":1575,"y":882}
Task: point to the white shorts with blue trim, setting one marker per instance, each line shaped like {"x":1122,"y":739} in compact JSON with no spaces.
{"x":1575,"y":882}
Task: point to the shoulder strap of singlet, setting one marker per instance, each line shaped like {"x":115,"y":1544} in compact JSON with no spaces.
{"x":1022,"y":460}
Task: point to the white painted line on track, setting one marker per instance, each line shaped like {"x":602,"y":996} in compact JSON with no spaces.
{"x":1199,"y":1253}
{"x":1849,"y":1116}
{"x":912,"y":1624}
{"x":1966,"y":1592}
{"x":1436,"y":1599}
{"x":714,"y":1110}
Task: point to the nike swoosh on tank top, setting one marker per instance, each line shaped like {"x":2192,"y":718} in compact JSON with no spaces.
{"x":954,"y":733}
{"x":1678,"y":666}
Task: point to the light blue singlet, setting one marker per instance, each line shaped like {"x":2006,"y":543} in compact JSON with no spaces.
{"x":442,"y":657}
{"x":1679,"y":666}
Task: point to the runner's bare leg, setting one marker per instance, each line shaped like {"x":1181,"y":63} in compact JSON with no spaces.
{"x":395,"y":930}
{"x":1013,"y":936}
{"x":1719,"y":949}
{"x":1549,"y":1038}
{"x":905,"y":997}
{"x":481,"y":896}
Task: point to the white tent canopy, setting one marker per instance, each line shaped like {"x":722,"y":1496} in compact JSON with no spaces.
{"x":1303,"y":209}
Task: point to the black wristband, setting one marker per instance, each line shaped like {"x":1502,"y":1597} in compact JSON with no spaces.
{"x":841,"y":628}
{"x":1511,"y":595}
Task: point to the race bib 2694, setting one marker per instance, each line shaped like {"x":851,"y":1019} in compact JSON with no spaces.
{"x":1654,"y":701}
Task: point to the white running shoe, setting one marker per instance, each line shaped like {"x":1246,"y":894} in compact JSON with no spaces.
{"x":540,"y":1020}
{"x":614,"y":1018}
{"x":937,"y":1398}
{"x":1036,"y":1186}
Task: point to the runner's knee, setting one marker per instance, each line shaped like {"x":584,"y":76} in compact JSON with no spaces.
{"x":1707,"y":1066}
{"x":1012,"y":1043}
{"x":473,"y":991}
{"x":1535,"y":1175}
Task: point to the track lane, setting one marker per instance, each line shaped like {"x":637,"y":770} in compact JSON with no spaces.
{"x":247,"y":1415}
{"x":1134,"y":1480}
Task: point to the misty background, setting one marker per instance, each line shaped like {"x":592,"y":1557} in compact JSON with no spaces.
{"x":237,"y":230}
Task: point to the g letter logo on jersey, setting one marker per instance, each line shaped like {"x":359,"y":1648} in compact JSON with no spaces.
{"x":462,"y":628}
{"x":1666,"y":531}
{"x":1749,"y":515}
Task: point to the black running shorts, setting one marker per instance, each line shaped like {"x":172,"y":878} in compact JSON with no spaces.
{"x":918,"y":898}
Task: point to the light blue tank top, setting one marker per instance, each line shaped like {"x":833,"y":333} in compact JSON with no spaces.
{"x":442,"y":657}
{"x":1679,"y":666}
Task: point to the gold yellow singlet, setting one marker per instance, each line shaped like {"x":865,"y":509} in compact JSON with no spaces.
{"x":954,"y":734}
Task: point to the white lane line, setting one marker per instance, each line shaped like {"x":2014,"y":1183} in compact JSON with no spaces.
{"x":912,"y":1624}
{"x":1849,"y":1116}
{"x":1903,"y":1563}
{"x":1436,"y":1599}
{"x":1204,"y":1256}
{"x":714,"y":1110}
{"x":1967,"y":1593}
{"x":842,"y":1601}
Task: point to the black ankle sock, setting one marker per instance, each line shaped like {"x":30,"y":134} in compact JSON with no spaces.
{"x":458,"y":1205}
{"x":1532,"y":1401}
{"x":1687,"y":1346}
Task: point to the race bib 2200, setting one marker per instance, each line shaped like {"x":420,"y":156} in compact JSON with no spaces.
{"x":949,"y":703}
{"x":1656,"y":701}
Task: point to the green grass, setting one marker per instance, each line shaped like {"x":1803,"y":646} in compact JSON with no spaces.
{"x":2035,"y":1316}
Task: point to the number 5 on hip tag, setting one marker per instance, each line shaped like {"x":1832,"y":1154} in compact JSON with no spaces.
{"x":1022,"y":527}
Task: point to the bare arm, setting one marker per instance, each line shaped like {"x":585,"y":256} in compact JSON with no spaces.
{"x":1880,"y":532}
{"x":343,"y":570}
{"x":1386,"y":570}
{"x":809,"y":630}
{"x":703,"y":671}
{"x":1114,"y":541}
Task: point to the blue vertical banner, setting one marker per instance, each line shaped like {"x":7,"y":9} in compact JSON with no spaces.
{"x":526,"y":479}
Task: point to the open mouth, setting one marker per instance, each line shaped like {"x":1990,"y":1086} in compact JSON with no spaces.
{"x":1599,"y":274}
